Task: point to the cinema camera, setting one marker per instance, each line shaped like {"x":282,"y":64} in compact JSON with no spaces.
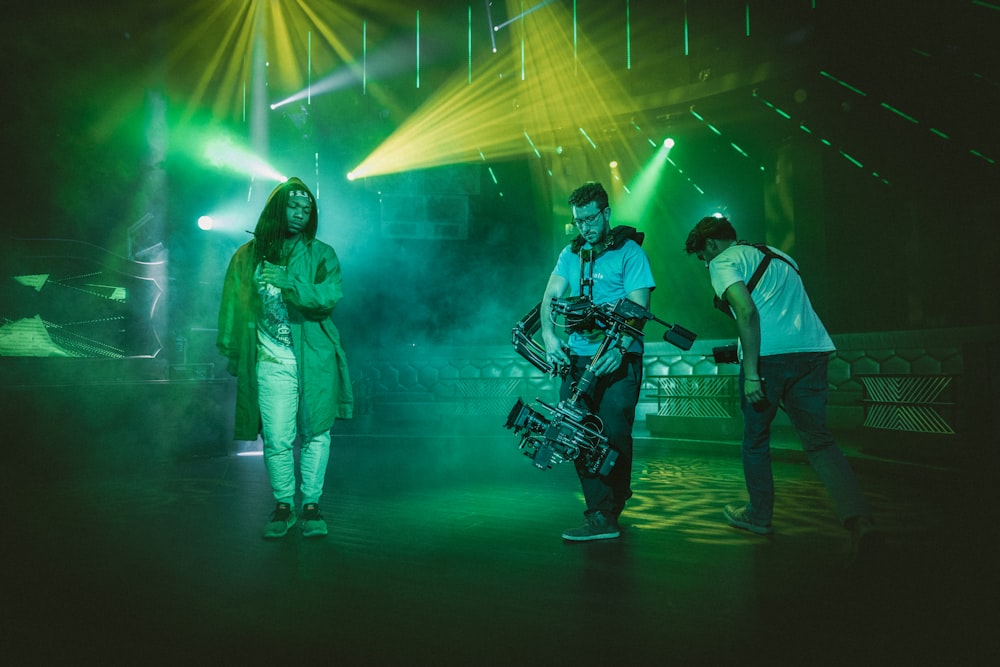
{"x":570,"y":432}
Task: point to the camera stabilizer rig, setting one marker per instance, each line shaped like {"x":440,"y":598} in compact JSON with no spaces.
{"x":571,"y":432}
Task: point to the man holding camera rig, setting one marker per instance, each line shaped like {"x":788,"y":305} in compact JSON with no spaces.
{"x":604,"y":265}
{"x":785,"y":352}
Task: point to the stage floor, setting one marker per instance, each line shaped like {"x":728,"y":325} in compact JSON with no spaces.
{"x":446,"y":550}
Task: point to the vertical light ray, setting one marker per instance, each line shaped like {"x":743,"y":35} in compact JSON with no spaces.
{"x":522,"y":40}
{"x":576,"y":54}
{"x":628,"y":35}
{"x":687,"y":50}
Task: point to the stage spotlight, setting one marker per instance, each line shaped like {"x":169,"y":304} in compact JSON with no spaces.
{"x":613,"y":164}
{"x":668,"y":143}
{"x":206,"y":222}
{"x":225,"y":153}
{"x":493,"y":29}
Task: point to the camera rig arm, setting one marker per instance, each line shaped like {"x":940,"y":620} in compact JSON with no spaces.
{"x":617,"y":318}
{"x":522,"y":337}
{"x":624,"y":311}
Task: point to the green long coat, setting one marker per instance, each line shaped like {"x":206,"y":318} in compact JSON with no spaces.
{"x":324,"y":382}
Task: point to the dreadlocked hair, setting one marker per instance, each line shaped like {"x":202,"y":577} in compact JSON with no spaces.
{"x":272,"y":225}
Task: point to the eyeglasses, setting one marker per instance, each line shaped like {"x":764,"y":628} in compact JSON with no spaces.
{"x":589,"y":220}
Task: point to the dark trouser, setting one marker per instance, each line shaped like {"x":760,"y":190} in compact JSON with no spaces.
{"x":799,"y":383}
{"x":612,"y":398}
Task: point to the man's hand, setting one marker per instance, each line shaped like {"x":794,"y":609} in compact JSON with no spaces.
{"x":554,"y":353}
{"x":609,"y":362}
{"x":275,"y":275}
{"x":753,"y":389}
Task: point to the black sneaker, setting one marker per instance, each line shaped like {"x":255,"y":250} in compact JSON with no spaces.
{"x":597,"y":527}
{"x":860,"y":544}
{"x":739,"y":517}
{"x":282,"y":519}
{"x":313,"y":524}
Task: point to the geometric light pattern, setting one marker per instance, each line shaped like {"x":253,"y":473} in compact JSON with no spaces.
{"x":490,"y":397}
{"x":36,"y":282}
{"x":906,"y":403}
{"x":696,"y":396}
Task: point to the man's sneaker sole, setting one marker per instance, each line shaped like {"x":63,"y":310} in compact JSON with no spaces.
{"x":590,"y":537}
{"x":736,"y":522}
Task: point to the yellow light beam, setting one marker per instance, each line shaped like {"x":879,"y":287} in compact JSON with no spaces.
{"x":492,"y":114}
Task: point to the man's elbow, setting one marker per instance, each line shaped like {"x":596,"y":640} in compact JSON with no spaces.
{"x":748,"y":316}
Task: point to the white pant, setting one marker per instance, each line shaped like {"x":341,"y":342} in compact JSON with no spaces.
{"x":279,"y":402}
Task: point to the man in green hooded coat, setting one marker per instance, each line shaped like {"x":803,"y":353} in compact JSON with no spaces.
{"x":291,"y":374}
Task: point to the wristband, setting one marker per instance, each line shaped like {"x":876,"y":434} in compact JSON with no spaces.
{"x":753,"y":379}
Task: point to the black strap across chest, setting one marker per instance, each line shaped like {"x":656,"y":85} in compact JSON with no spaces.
{"x":615,"y":239}
{"x":769,"y":254}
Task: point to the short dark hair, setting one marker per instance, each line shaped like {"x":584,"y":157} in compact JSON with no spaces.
{"x":590,"y":192}
{"x":710,"y":227}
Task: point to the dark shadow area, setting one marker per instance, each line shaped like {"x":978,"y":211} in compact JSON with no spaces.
{"x":444,"y":549}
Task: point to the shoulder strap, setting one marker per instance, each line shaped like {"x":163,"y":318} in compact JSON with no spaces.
{"x":769,"y":254}
{"x":761,"y":268}
{"x":616,"y":238}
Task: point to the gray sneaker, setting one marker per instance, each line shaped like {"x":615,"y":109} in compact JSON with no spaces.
{"x":739,"y":517}
{"x":598,"y":526}
{"x":313,"y":524}
{"x":281,"y":520}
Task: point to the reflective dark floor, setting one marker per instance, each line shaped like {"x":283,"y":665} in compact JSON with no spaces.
{"x":446,"y":550}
